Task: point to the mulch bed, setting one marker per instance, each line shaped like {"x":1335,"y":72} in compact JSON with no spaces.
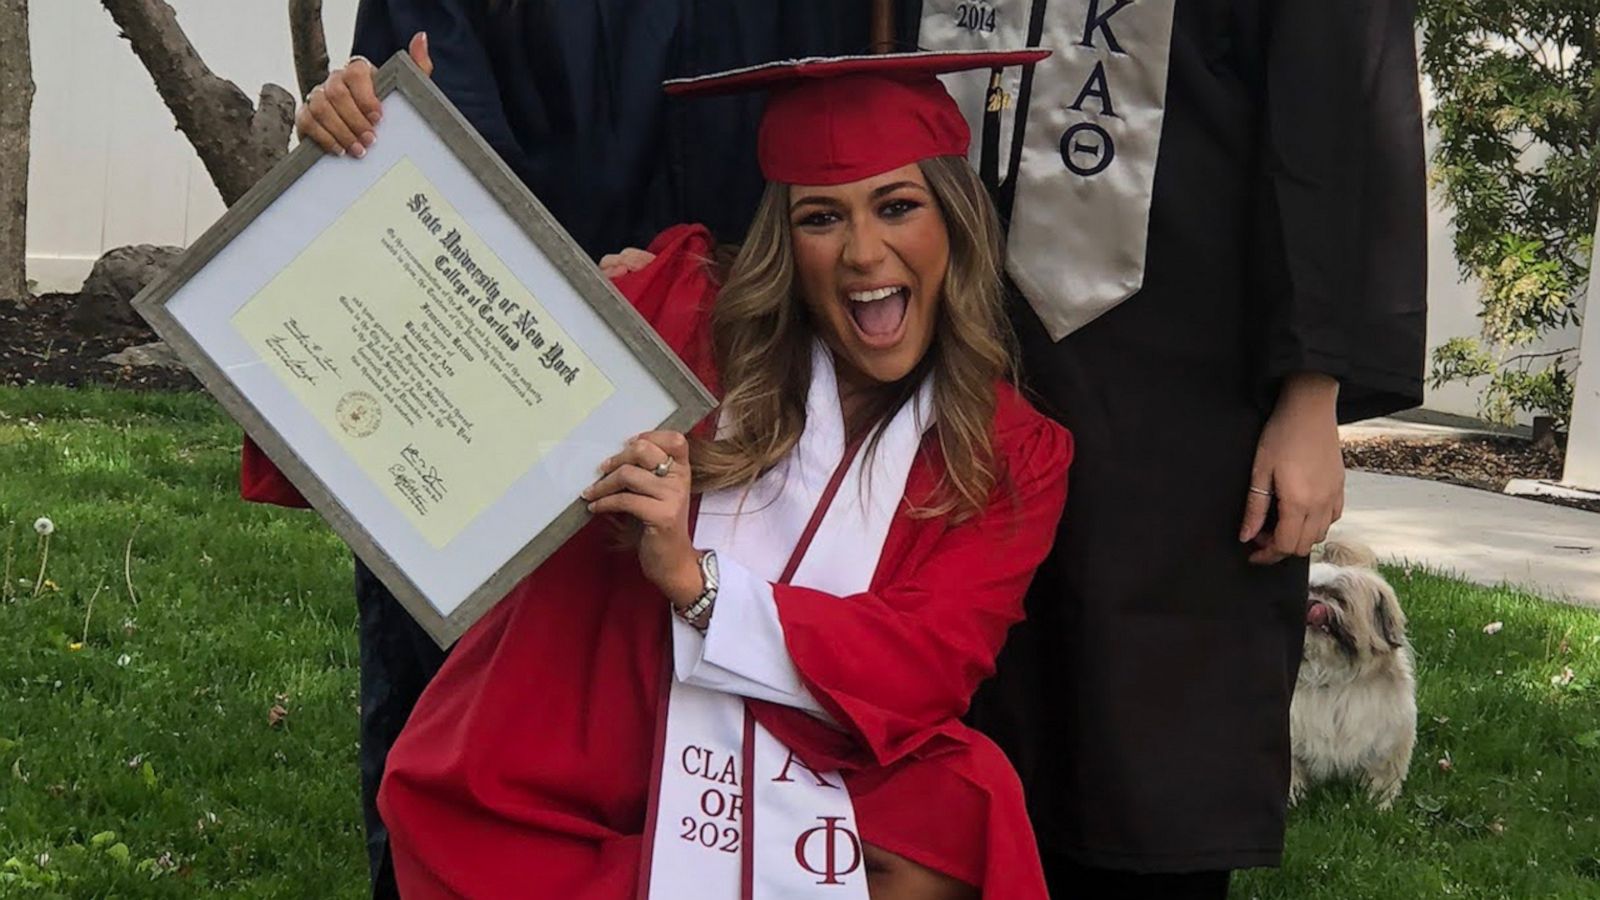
{"x":42,"y":343}
{"x":1485,"y":462}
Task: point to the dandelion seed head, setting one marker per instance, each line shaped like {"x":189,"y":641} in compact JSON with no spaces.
{"x":44,"y":526}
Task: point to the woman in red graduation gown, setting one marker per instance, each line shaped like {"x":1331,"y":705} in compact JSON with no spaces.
{"x":760,"y":696}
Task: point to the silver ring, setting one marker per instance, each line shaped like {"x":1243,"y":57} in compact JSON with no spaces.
{"x":663,"y":467}
{"x":1262,"y":491}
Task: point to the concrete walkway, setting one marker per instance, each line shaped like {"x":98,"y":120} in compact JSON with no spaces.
{"x":1445,"y":429}
{"x":1480,"y":536}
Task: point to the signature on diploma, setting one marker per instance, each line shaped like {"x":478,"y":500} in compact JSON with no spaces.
{"x":295,"y":357}
{"x":297,"y":367}
{"x":408,"y":488}
{"x":318,"y":355}
{"x":432,"y":483}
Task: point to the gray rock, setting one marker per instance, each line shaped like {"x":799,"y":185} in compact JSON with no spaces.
{"x":156,"y":353}
{"x":117,"y":277}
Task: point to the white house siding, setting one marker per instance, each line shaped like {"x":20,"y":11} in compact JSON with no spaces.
{"x":109,"y":168}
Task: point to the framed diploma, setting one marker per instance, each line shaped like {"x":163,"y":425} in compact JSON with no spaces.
{"x":423,"y":351}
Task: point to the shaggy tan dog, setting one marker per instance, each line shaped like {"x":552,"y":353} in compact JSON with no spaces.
{"x":1354,"y":712}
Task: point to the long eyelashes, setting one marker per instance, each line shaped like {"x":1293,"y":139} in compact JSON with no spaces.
{"x":817,"y":220}
{"x":895,"y":209}
{"x":891,"y":210}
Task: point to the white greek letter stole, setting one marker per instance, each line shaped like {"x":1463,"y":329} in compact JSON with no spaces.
{"x":1068,"y":146}
{"x":736,"y":815}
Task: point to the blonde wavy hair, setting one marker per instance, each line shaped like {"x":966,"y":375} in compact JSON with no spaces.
{"x":762,"y":335}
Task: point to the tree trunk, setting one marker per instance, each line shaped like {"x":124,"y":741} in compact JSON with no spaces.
{"x":16,"y":103}
{"x":310,"y":44}
{"x":237,"y":142}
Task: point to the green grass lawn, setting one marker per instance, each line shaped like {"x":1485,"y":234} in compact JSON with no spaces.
{"x":141,"y":756}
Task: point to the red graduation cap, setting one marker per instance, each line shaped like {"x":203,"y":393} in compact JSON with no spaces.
{"x":833,"y":120}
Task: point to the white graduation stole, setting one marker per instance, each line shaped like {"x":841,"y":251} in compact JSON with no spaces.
{"x":787,"y":831}
{"x":1077,"y":189}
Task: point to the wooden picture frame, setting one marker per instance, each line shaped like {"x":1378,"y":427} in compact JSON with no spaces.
{"x":302,"y":206}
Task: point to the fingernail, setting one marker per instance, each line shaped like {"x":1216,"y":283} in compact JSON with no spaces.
{"x":375,"y":116}
{"x":369,"y":138}
{"x":338,"y":151}
{"x":591,"y":507}
{"x":357,"y":150}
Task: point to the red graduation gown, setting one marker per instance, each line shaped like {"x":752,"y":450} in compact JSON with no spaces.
{"x":525,"y":769}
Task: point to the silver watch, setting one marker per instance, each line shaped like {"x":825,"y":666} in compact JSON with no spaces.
{"x":701,"y":607}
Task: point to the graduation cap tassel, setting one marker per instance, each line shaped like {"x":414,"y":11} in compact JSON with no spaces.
{"x":1005,"y":196}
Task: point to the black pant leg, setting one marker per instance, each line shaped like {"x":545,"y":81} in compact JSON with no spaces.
{"x":398,"y":659}
{"x":1069,"y":881}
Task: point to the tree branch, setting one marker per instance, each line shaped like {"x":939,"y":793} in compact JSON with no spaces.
{"x":16,"y":103}
{"x":310,"y":44}
{"x":1530,"y":357}
{"x":236,"y":142}
{"x":1535,"y":56}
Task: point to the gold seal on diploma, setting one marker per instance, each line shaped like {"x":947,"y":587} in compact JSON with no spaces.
{"x":359,"y":413}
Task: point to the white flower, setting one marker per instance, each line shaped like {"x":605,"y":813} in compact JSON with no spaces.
{"x":44,"y":526}
{"x":124,"y":659}
{"x":1493,"y":627}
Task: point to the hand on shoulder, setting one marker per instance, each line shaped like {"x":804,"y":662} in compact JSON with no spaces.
{"x":632,"y":259}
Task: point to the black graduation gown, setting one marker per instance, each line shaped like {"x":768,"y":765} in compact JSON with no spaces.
{"x":1145,"y":701}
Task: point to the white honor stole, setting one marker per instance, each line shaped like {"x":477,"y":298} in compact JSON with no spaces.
{"x":737,"y":816}
{"x":1079,"y":183}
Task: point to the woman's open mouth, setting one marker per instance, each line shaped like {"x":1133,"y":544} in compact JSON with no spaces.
{"x":880,"y":313}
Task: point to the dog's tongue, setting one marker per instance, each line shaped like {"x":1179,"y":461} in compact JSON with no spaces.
{"x":1317,"y":614}
{"x":880,"y":317}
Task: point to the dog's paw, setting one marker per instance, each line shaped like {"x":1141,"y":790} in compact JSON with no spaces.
{"x":1297,"y":788}
{"x":1384,"y":793}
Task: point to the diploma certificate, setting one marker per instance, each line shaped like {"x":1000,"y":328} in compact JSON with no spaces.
{"x":415,"y":347}
{"x":423,"y":352}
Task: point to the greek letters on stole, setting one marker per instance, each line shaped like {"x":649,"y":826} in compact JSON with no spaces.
{"x":1068,"y":146}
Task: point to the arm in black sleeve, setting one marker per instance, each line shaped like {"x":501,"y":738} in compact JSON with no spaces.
{"x":1391,"y":307}
{"x":462,"y":69}
{"x":1342,"y":239}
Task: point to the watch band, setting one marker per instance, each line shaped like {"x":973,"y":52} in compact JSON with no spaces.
{"x":708,"y":597}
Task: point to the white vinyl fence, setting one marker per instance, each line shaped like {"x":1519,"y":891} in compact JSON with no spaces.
{"x":108,"y":166}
